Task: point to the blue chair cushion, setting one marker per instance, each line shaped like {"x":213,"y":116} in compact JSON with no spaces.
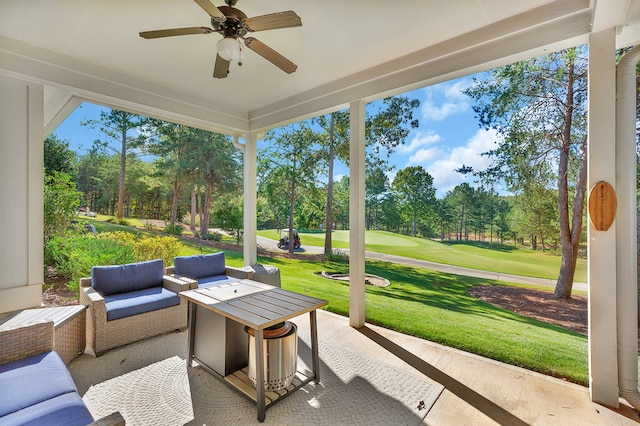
{"x":116,"y":279}
{"x":32,"y":380}
{"x":215,"y":280}
{"x":67,"y":409}
{"x":200,"y":266}
{"x":138,"y":302}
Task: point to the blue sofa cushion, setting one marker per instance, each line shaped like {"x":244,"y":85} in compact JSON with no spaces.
{"x":108,"y":280}
{"x":32,"y":380}
{"x":215,"y":280}
{"x":200,"y":266}
{"x":140,"y":301}
{"x":67,"y":409}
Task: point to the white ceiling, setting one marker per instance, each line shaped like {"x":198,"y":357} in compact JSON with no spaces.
{"x":345,"y":51}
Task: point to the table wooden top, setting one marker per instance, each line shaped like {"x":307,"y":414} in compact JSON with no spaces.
{"x":252,"y":303}
{"x":59,"y":316}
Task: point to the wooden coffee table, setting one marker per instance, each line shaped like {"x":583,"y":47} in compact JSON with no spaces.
{"x":258,"y":306}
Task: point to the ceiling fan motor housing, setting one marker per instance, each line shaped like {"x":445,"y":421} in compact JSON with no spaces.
{"x":232,"y":26}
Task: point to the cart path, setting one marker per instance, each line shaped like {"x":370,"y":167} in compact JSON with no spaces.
{"x":269,"y":244}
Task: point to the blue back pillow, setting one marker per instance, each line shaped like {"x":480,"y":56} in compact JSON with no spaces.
{"x":200,"y":266}
{"x":116,"y":279}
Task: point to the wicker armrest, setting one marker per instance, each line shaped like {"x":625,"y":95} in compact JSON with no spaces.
{"x":113,"y":419}
{"x":85,"y":282}
{"x":242,"y":273}
{"x":89,"y":296}
{"x":25,"y":341}
{"x":170,"y":270}
{"x":94,"y":300}
{"x":177,"y":283}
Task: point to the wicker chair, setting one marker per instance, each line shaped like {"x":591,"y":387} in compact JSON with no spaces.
{"x":103,"y":334}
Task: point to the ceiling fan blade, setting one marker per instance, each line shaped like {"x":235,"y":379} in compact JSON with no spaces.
{"x":213,"y":11}
{"x":221,"y":69}
{"x":175,"y":32}
{"x":270,"y":55}
{"x":273,"y":21}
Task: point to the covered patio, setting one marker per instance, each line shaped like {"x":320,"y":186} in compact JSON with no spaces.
{"x":476,"y":391}
{"x":55,"y":55}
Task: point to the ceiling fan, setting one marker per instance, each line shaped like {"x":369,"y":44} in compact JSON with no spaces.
{"x":233,"y":25}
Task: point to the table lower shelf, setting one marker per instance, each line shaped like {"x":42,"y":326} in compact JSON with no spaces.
{"x":240,"y":381}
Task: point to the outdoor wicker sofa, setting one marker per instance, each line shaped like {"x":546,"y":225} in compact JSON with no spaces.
{"x":207,"y":269}
{"x":36,"y":386}
{"x":131,"y":302}
{"x":210,"y":269}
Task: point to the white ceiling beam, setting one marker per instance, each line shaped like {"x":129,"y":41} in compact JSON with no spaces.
{"x":498,"y":44}
{"x":58,"y":104}
{"x":609,"y":14}
{"x":97,"y":84}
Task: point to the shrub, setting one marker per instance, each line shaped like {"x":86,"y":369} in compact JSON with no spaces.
{"x":124,"y":222}
{"x":73,"y":257}
{"x":338,"y":256}
{"x":120,"y":236}
{"x":213,"y":236}
{"x":165,"y":248}
{"x":61,"y":202}
{"x":174,"y":229}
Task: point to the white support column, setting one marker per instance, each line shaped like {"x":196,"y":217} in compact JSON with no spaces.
{"x":21,"y":189}
{"x":356,"y":216}
{"x":601,"y":247}
{"x":250,"y":199}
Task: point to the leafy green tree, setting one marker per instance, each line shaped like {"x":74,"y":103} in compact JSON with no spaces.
{"x":391,"y":219}
{"x":88,"y":180}
{"x":376,"y":185}
{"x":416,"y":193}
{"x":58,"y":157}
{"x":116,"y":125}
{"x":461,"y":200}
{"x":537,"y":215}
{"x":540,"y":107}
{"x":341,"y":204}
{"x":275,"y":209}
{"x":230,"y":217}
{"x":61,"y":202}
{"x":446,"y":218}
{"x":291,"y":159}
{"x":336,"y":142}
{"x":503,"y":208}
{"x":171,"y":147}
{"x":388,"y":123}
{"x":217,"y":165}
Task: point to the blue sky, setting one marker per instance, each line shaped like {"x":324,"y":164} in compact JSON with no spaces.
{"x":447,"y":138}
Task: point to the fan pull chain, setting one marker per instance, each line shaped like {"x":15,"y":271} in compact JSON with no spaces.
{"x":240,"y":54}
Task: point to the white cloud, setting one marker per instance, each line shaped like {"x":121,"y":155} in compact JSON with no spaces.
{"x":425,"y":156}
{"x":453,"y":101}
{"x":443,"y":169}
{"x":420,"y":139}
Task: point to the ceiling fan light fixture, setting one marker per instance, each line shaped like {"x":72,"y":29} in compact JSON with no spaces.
{"x":229,"y":49}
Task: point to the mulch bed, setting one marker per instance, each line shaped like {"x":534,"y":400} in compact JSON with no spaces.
{"x":541,"y":305}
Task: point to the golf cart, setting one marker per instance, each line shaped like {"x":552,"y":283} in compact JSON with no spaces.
{"x":283,"y":242}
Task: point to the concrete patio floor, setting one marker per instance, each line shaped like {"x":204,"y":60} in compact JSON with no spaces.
{"x":478,"y":391}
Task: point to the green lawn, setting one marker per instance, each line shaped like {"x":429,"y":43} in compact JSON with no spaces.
{"x":437,"y":307}
{"x":487,"y":257}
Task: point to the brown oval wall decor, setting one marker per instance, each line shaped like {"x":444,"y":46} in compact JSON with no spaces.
{"x":602,"y":205}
